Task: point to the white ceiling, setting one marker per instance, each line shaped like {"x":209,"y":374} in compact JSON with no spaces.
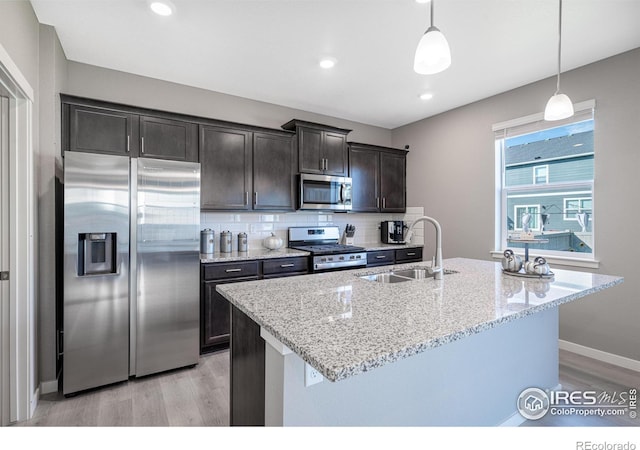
{"x":269,"y":50}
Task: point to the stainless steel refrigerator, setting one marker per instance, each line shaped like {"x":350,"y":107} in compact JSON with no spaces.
{"x":131,"y":268}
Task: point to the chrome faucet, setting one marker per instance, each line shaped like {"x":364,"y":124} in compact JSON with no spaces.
{"x":436,"y":265}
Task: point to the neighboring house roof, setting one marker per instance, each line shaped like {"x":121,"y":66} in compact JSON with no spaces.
{"x":554,"y":148}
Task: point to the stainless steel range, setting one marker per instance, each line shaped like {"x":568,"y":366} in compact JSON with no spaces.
{"x":326,"y":252}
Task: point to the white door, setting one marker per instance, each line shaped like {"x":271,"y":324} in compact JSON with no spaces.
{"x":4,"y":260}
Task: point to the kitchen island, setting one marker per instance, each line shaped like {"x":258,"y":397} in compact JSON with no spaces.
{"x":456,"y":351}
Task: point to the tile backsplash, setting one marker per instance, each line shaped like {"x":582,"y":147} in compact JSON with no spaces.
{"x":259,"y":225}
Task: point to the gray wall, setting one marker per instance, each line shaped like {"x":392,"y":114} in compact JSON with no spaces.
{"x":53,"y":75}
{"x":105,"y":84}
{"x":451,"y":173}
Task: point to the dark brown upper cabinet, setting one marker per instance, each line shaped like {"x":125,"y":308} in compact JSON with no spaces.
{"x":100,"y":130}
{"x":225,"y":168}
{"x":100,"y":127}
{"x":247,"y":170}
{"x":321,"y":149}
{"x":379,"y":178}
{"x":364,"y":170}
{"x":168,"y":139}
{"x":274,"y":172}
{"x":393,"y":181}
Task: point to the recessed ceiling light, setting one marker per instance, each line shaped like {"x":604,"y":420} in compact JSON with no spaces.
{"x":162,"y":8}
{"x":578,"y":145}
{"x":423,"y":1}
{"x":327,"y":63}
{"x":426,"y":96}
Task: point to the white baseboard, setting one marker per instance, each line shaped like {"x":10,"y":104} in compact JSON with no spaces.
{"x":47,"y":387}
{"x":611,"y":358}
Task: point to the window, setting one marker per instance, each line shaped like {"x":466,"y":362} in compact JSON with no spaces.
{"x":546,"y":169}
{"x":541,"y":174}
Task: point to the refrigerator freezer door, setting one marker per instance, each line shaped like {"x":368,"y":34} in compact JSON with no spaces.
{"x":168,"y":265}
{"x":95,"y":305}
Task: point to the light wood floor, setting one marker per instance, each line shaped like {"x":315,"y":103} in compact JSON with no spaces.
{"x":183,"y":397}
{"x":200,"y":397}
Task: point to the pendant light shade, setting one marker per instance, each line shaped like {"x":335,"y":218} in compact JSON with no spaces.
{"x":559,"y":105}
{"x":433,"y":54}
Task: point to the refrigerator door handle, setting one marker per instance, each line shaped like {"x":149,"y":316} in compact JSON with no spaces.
{"x":133,"y":265}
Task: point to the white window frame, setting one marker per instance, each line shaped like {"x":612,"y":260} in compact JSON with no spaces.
{"x":501,"y":233}
{"x":579,"y":210}
{"x":535,"y":178}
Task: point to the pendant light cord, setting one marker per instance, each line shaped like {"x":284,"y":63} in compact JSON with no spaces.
{"x":431,"y":13}
{"x":559,"y":45}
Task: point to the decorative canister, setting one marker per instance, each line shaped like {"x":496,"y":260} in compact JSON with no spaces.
{"x":207,"y":242}
{"x":242,"y":242}
{"x":225,"y":241}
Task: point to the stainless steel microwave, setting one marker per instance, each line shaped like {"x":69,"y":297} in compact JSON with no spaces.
{"x":324,"y":192}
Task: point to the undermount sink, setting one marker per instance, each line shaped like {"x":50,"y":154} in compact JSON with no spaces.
{"x":399,"y":276}
{"x":421,"y":273}
{"x":385,"y":278}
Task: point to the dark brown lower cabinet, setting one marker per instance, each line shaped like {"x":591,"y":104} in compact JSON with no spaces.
{"x":405,"y":255}
{"x":397,"y":256}
{"x":215,"y":309}
{"x":215,"y":314}
{"x":247,"y":354}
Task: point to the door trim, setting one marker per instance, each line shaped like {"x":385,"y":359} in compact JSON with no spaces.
{"x":22,"y":395}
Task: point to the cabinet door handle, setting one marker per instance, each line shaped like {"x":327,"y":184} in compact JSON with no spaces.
{"x":384,"y":202}
{"x":246,"y":198}
{"x":378,"y":202}
{"x":286,"y":265}
{"x":233,"y":270}
{"x":142,"y":145}
{"x":411,"y":254}
{"x":128,"y":141}
{"x":60,"y":343}
{"x":326,"y":164}
{"x":255,"y":202}
{"x":381,"y":257}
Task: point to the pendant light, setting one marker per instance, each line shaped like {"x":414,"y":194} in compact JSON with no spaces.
{"x":559,"y":105}
{"x":433,"y":54}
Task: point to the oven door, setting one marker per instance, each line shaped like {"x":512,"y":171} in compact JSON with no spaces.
{"x":324,"y":192}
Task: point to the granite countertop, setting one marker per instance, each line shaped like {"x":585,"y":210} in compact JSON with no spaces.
{"x":263,"y":253}
{"x":372,"y":246}
{"x":343,"y":325}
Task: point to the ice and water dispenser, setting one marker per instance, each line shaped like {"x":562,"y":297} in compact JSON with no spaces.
{"x":96,"y":253}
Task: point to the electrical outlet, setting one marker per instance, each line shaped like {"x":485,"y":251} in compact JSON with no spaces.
{"x":311,"y":375}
